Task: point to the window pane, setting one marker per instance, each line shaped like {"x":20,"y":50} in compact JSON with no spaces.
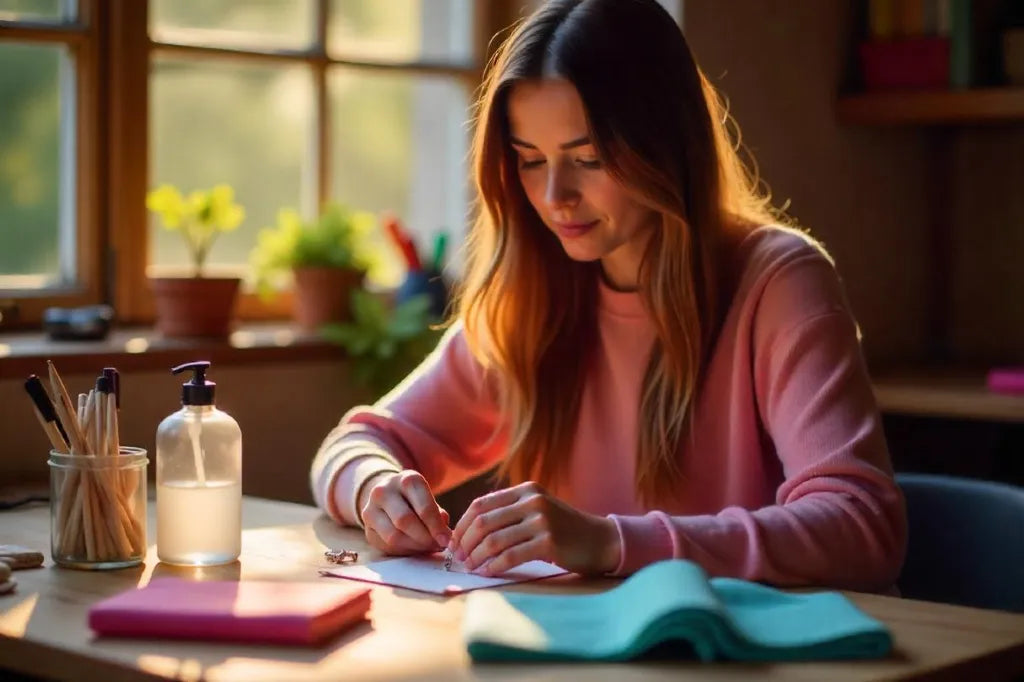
{"x":399,"y":143}
{"x":31,"y":147}
{"x":264,"y":25}
{"x":402,"y":30}
{"x":247,"y":125}
{"x":38,"y":10}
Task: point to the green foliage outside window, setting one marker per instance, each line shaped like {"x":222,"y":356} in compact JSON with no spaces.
{"x":29,"y":154}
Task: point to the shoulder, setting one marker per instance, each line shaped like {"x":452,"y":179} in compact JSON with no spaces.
{"x":786,"y":279}
{"x":769,"y":248}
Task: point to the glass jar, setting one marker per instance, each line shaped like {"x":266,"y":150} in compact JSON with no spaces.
{"x":98,"y":509}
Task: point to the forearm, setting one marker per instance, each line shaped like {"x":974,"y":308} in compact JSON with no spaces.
{"x":340,"y":467}
{"x":832,"y":539}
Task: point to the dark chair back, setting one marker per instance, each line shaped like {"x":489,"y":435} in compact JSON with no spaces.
{"x":965,"y":542}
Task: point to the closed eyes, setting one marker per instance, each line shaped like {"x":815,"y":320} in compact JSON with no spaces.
{"x":590,"y":164}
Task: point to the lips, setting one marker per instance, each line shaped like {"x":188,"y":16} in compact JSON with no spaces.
{"x":571,"y":230}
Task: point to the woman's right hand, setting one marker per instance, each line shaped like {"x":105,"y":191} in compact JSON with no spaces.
{"x":400,"y":514}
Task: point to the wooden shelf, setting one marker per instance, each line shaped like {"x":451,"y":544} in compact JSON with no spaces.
{"x":933,"y":107}
{"x":955,"y":394}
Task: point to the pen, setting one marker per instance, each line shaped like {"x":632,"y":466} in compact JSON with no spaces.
{"x":440,"y":244}
{"x":403,"y":242}
{"x":115,"y":383}
{"x":46,"y":414}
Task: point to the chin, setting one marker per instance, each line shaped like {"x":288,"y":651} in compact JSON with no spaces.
{"x":582,"y":254}
{"x":582,"y":250}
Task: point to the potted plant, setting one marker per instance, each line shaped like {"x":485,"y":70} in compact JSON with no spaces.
{"x":196,"y":305}
{"x":385,"y":342}
{"x":326,"y":258}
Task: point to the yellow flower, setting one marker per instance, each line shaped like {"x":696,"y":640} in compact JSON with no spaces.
{"x":167,"y":202}
{"x":200,"y":216}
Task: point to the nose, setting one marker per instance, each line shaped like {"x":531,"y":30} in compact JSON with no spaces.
{"x":561,"y":191}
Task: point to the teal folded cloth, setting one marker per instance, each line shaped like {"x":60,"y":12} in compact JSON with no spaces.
{"x":671,"y":601}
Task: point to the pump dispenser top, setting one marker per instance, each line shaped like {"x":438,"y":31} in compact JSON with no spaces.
{"x":197,"y":391}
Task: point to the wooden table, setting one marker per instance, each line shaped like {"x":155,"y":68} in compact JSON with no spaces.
{"x":410,"y":635}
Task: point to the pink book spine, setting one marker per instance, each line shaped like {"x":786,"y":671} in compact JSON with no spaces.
{"x":1006,"y":380}
{"x":118,"y":622}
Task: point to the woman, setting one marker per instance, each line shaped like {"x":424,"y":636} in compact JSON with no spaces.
{"x":657,"y":366}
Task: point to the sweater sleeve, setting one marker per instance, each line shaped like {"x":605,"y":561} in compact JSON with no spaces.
{"x":839,"y":517}
{"x":441,"y":421}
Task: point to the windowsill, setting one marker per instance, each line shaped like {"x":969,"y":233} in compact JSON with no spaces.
{"x":142,"y":349}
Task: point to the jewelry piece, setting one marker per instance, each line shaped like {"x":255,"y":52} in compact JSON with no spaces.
{"x":341,"y":556}
{"x":447,"y":560}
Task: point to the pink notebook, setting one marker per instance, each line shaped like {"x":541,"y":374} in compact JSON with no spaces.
{"x":249,"y":611}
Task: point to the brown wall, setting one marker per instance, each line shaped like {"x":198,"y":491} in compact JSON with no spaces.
{"x":865,"y":191}
{"x":860,"y":190}
{"x":987,"y":311}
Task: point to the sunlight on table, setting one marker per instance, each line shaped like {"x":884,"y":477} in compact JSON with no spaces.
{"x":14,"y":621}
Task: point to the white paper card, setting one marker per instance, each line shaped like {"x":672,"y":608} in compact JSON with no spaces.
{"x":426,"y":574}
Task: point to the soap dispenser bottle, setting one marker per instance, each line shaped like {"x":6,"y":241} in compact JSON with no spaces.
{"x":198,"y":478}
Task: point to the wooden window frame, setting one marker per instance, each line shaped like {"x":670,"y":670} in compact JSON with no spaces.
{"x":132,"y":51}
{"x":83,"y":39}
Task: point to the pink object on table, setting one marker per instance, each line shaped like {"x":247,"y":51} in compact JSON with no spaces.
{"x":248,"y":611}
{"x":1006,"y":380}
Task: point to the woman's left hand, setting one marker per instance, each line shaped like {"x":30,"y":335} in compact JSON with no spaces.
{"x":509,"y":527}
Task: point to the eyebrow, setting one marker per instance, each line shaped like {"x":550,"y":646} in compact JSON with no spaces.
{"x":578,"y":142}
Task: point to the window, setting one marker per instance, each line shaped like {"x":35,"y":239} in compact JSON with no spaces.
{"x":292,"y":102}
{"x":50,"y":247}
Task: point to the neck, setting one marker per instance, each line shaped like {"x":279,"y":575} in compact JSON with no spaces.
{"x":617,"y":284}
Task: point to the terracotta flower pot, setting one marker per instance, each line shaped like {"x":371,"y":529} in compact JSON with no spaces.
{"x":322,"y":295}
{"x":195,"y":306}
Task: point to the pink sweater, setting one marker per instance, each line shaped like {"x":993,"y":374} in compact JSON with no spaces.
{"x":787,"y":479}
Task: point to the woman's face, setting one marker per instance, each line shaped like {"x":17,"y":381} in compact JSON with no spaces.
{"x":593,"y":216}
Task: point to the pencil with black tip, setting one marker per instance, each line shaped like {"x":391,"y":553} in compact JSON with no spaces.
{"x":46,"y":414}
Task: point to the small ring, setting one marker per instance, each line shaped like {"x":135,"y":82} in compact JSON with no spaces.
{"x":342,"y":556}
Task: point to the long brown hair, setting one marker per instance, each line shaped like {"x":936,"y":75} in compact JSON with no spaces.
{"x":529,"y":311}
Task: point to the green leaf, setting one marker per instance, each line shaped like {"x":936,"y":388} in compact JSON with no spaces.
{"x":368,"y":310}
{"x":386,"y":348}
{"x":360,"y":343}
{"x":338,"y":237}
{"x":385,"y":343}
{"x":338,"y":332}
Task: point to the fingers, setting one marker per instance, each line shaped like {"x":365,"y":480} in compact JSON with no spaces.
{"x":399,"y":544}
{"x":406,"y":521}
{"x":486,"y":525}
{"x":498,"y":541}
{"x":382,"y":534}
{"x":537,"y":547}
{"x":480,"y":506}
{"x":393,"y":512}
{"x":417,"y":493}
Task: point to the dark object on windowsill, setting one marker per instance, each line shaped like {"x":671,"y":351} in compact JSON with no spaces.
{"x":88,"y":323}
